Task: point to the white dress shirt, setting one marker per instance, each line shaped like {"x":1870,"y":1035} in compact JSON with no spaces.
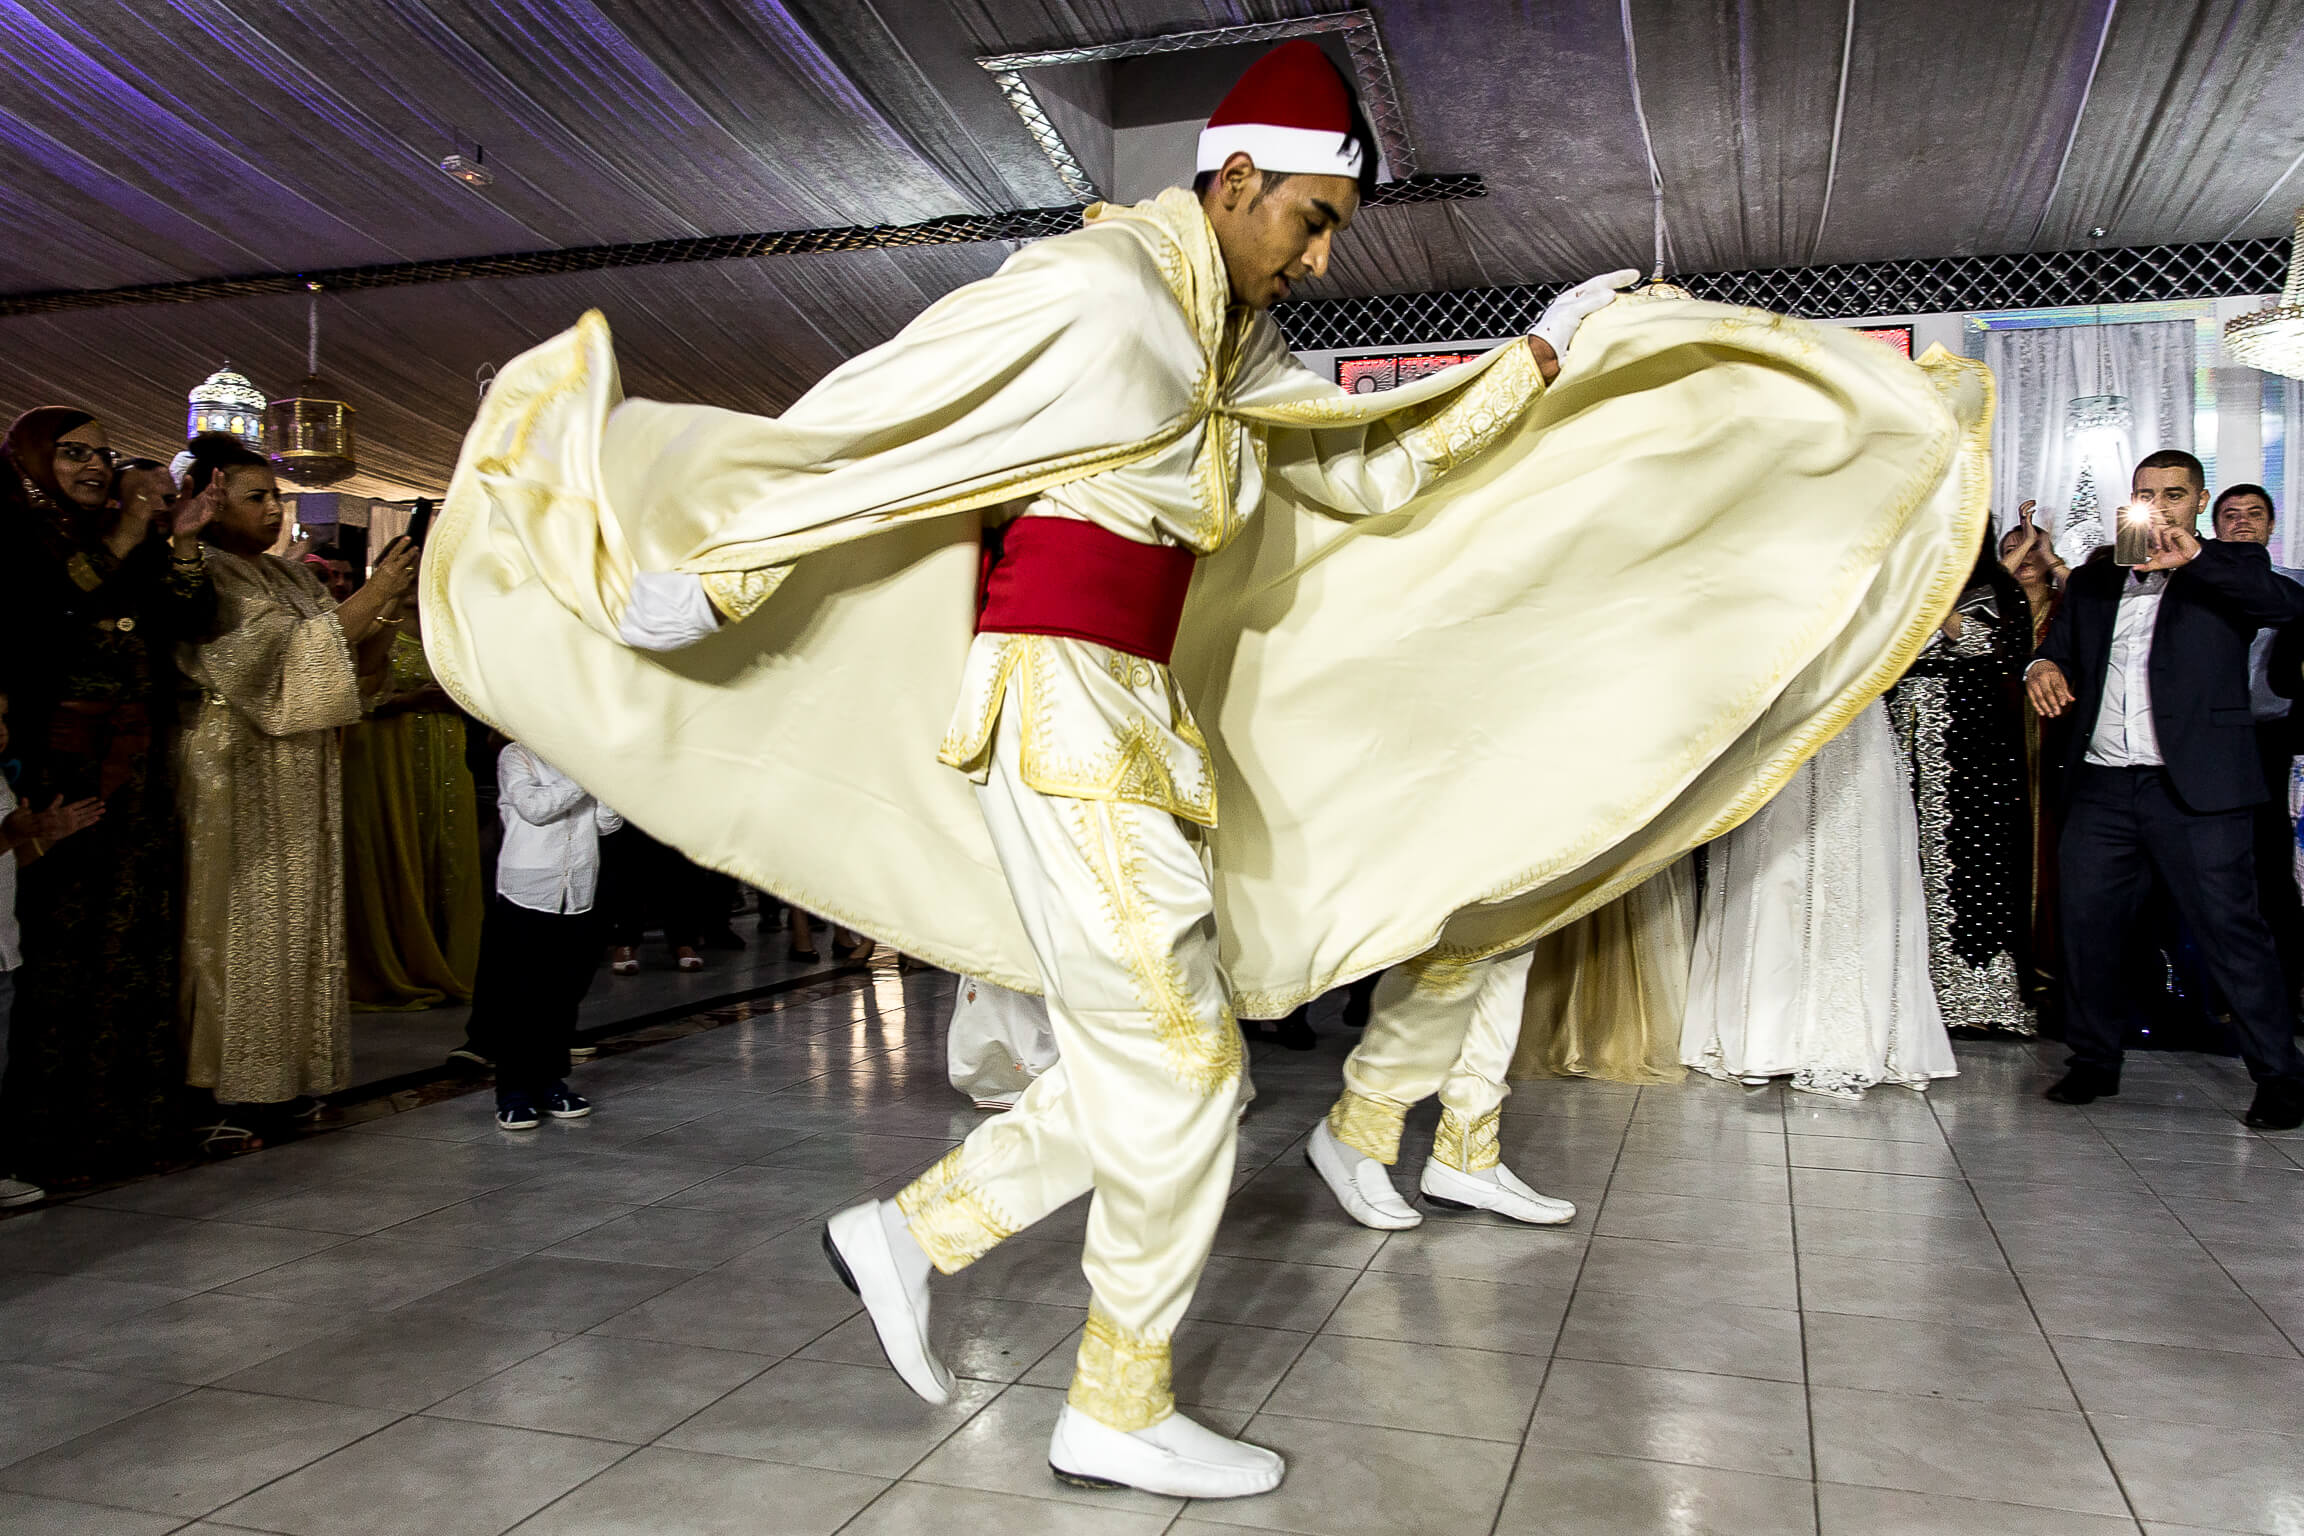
{"x":552,"y":832}
{"x":2263,"y":703}
{"x":2124,"y":736}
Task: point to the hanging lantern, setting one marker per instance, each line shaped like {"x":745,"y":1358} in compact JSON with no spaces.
{"x":226,"y":402}
{"x":2272,"y":340}
{"x":311,"y":430}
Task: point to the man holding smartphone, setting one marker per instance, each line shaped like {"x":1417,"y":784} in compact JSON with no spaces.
{"x":2150,"y":655}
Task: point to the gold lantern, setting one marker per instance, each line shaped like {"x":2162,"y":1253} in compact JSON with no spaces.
{"x":310,"y":431}
{"x":2272,"y":340}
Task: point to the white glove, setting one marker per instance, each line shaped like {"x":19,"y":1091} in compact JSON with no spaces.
{"x":668,"y":610}
{"x":1565,"y":313}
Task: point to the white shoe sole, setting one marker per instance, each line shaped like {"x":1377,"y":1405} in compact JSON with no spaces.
{"x":1509,"y":1204}
{"x":858,"y":1248}
{"x":1338,"y":1178}
{"x":569,"y":1114}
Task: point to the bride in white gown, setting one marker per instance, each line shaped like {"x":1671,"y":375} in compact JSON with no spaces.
{"x":1812,"y":951}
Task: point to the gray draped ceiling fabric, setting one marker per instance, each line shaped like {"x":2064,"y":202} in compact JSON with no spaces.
{"x":175,"y":139}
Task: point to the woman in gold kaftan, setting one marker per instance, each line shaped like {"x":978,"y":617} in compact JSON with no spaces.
{"x":263,"y":993}
{"x":412,"y":896}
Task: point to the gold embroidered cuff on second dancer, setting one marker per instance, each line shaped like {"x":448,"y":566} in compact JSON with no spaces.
{"x":1467,"y":1146}
{"x":1122,"y":1377}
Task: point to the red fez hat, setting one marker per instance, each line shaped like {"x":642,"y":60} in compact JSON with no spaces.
{"x":1292,"y":111}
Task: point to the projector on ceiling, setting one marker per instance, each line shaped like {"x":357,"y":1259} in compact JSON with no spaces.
{"x":468,"y":171}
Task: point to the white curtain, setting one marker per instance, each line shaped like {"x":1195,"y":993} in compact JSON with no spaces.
{"x":2078,"y":480}
{"x":2289,"y":486}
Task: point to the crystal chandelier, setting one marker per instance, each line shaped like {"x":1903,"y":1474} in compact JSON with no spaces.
{"x":2272,"y":340}
{"x":2099,"y":426}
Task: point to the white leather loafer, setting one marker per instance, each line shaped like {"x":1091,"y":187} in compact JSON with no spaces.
{"x":857,"y":1243}
{"x":1359,"y":1184}
{"x":1176,"y":1457}
{"x":1495,"y":1189}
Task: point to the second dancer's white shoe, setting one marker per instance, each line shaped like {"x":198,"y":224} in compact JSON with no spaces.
{"x":1176,"y":1457}
{"x":875,"y":1256}
{"x":1359,"y":1183}
{"x":1495,"y":1189}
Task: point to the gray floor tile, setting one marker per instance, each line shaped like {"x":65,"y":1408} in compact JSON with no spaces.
{"x":2223,"y":1478}
{"x":368,"y":1274}
{"x":772,"y":1196}
{"x":197,"y":1340}
{"x":1702,"y":1142}
{"x":194,"y":1453}
{"x":1440,"y":1309}
{"x":22,"y":1514}
{"x":1024,"y":1269}
{"x":562,"y":1295}
{"x":1701,"y":1178}
{"x":40,"y":1312}
{"x":1470,"y":1394}
{"x":621,"y":1179}
{"x":727,"y":1309}
{"x":399,"y":1361}
{"x":1903,"y":1193}
{"x":2197,"y":1316}
{"x":1925,"y":1293}
{"x":199,"y":1254}
{"x":1921,"y":1359}
{"x":1705,"y":1420}
{"x":1265,"y":1293}
{"x":513,"y":1221}
{"x":1708,"y":1222}
{"x":1848,"y":1511}
{"x":1485,"y":1249}
{"x":1360,"y":1480}
{"x":908,"y":1508}
{"x":1864,"y":1154}
{"x":817,"y":1413}
{"x":1957,"y":1241}
{"x":979,"y":1337}
{"x":1989,"y":1451}
{"x":1563,"y":1491}
{"x":608,"y":1389}
{"x":680,"y":1239}
{"x":2185,"y":1386}
{"x":1690,"y":1274}
{"x":1286,"y":1213}
{"x":663,"y":1492}
{"x":43,"y":1406}
{"x":1762,"y":1342}
{"x":351,"y":1208}
{"x":425,"y":1477}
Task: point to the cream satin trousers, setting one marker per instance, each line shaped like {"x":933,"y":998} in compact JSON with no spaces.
{"x":1436,"y":1026}
{"x":1140,"y":1107}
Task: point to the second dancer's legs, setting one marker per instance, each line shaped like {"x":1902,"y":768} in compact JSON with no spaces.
{"x":1140,"y":1109}
{"x":1445,"y":1027}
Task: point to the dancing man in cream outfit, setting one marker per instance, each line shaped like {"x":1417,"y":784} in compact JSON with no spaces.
{"x":1120,"y":397}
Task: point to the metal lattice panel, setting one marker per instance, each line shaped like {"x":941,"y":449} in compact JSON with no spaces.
{"x":960,"y":229}
{"x":1379,"y":97}
{"x":2137,"y":274}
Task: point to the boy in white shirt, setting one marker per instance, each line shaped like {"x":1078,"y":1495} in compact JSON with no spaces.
{"x":541,"y":943}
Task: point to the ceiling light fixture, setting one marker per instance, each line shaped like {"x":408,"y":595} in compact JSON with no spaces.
{"x":471,"y":171}
{"x":2272,"y":339}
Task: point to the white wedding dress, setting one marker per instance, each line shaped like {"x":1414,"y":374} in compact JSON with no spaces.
{"x":1812,"y":948}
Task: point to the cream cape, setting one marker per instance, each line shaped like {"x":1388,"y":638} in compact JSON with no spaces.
{"x":1718,"y":535}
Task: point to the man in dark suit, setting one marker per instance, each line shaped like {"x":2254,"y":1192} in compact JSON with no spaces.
{"x":2161,"y":773}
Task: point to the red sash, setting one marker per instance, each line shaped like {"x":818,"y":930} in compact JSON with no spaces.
{"x":1057,"y":576}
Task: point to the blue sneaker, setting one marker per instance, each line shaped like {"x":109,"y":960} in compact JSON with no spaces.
{"x":516,"y":1112}
{"x":564,"y":1103}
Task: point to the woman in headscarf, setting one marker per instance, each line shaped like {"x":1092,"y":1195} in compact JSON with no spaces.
{"x":2027,"y":555}
{"x":1957,"y":717}
{"x":265,"y":1004}
{"x":92,"y":605}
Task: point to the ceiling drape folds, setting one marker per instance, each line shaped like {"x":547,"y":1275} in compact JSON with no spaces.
{"x":178,"y":139}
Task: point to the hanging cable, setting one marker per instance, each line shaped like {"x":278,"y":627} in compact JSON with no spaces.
{"x":312,"y":333}
{"x":1647,"y":142}
{"x":2087,"y":88}
{"x":1839,"y":112}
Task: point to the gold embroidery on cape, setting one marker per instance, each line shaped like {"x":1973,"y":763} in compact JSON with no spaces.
{"x":737,"y":593}
{"x":1465,"y":1146}
{"x":1370,"y":1127}
{"x":1482,"y":412}
{"x":950,"y":1217}
{"x":1121,"y":1377}
{"x":1203,"y":1055}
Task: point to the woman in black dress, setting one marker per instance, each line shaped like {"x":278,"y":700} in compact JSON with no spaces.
{"x":1958,"y":720}
{"x":93,"y":599}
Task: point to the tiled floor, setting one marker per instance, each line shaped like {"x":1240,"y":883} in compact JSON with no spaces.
{"x":1969,"y":1312}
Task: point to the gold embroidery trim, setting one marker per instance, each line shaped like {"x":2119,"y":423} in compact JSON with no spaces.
{"x":1465,"y":1146}
{"x":951,"y":1218}
{"x":737,"y":593}
{"x":1481,"y":413}
{"x":1202,"y":1055}
{"x":1122,"y":1377}
{"x":1370,"y":1127}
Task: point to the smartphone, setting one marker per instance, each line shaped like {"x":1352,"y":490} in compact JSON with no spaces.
{"x":2132,"y":536}
{"x":421,"y":523}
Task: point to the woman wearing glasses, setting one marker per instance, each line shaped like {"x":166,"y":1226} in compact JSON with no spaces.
{"x":91,"y":607}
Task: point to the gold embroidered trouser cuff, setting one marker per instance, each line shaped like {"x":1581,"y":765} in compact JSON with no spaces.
{"x":1139,"y":1108}
{"x":1436,"y":1027}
